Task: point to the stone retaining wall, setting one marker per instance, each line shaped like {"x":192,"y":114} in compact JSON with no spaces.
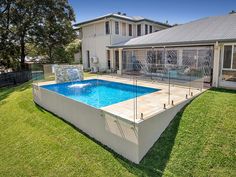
{"x":68,"y":73}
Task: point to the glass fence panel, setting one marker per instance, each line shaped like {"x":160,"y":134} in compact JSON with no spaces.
{"x":177,"y":73}
{"x":147,"y":81}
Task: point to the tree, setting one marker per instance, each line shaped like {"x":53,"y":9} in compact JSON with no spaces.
{"x":55,"y":30}
{"x":73,"y":48}
{"x":25,"y":14}
{"x":19,"y":20}
{"x":65,"y":54}
{"x":9,"y":50}
{"x":45,"y":24}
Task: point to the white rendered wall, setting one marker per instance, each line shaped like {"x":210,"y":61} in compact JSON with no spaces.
{"x":96,"y":41}
{"x":151,"y":129}
{"x":97,"y":48}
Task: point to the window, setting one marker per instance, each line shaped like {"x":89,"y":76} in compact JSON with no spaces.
{"x":229,"y":63}
{"x":130,"y":30}
{"x":139,"y":30}
{"x":108,"y":59}
{"x":151,"y":60}
{"x":151,"y":56}
{"x":234,"y":58}
{"x":116,"y":27}
{"x":229,"y":75}
{"x":107,"y":27}
{"x":150,"y":29}
{"x":160,"y":57}
{"x":227,"y":56}
{"x":146,"y":29}
{"x":189,"y":57}
{"x":172,"y":56}
{"x":124,"y":29}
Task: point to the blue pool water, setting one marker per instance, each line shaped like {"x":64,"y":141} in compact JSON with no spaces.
{"x":99,"y":93}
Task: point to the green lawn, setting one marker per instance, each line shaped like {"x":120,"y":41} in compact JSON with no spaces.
{"x":201,"y":141}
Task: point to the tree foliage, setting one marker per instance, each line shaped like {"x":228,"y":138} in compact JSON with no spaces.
{"x":9,"y":49}
{"x":74,"y":46}
{"x":66,"y":54}
{"x":45,"y":24}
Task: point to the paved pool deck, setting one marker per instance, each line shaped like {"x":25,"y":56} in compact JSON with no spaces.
{"x":144,"y":107}
{"x":150,"y":104}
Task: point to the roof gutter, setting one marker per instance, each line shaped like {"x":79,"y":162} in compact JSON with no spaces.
{"x":173,"y":44}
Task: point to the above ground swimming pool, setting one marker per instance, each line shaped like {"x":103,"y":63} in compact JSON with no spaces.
{"x":99,"y":93}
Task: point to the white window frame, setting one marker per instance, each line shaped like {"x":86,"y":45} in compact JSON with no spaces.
{"x":223,"y":54}
{"x":124,"y":30}
{"x":224,"y":82}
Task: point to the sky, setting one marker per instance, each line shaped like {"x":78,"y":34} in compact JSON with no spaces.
{"x":175,"y":11}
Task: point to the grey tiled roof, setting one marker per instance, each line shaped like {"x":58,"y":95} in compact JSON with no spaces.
{"x":210,"y":29}
{"x":124,"y":17}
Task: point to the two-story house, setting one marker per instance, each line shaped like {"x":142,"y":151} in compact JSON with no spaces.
{"x":98,"y":33}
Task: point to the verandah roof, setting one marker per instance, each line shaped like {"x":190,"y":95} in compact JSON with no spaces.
{"x":206,"y":30}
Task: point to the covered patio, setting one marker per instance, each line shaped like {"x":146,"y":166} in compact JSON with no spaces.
{"x":206,"y":46}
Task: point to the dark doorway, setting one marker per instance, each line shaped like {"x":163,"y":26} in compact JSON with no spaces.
{"x":88,"y":58}
{"x":117,"y":60}
{"x":108,"y":59}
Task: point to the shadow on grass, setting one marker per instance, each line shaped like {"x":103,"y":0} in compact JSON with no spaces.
{"x":6,"y":91}
{"x":223,"y":90}
{"x":43,"y":110}
{"x":154,"y":163}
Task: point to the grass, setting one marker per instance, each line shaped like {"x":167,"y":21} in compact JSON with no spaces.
{"x":199,"y":142}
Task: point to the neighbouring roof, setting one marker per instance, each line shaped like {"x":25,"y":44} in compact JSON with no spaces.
{"x":206,"y":30}
{"x":124,"y":17}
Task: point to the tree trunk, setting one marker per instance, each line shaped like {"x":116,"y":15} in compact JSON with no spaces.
{"x":22,"y":50}
{"x":50,"y":54}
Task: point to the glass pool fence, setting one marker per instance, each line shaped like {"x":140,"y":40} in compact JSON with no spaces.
{"x":149,"y":81}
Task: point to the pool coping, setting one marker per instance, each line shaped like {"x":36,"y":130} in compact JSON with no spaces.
{"x":127,"y":120}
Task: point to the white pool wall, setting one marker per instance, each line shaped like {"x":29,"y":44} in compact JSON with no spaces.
{"x":151,"y":129}
{"x":94,"y":122}
{"x":131,"y":142}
